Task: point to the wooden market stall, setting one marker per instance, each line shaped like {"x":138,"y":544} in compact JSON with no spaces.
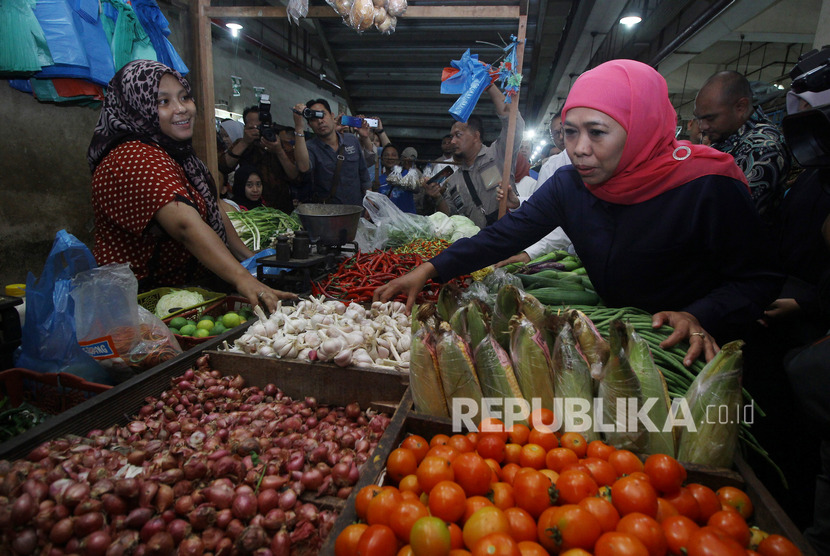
{"x":204,"y":12}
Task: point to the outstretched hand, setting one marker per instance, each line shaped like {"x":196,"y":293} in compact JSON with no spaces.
{"x":686,"y":326}
{"x":409,"y":284}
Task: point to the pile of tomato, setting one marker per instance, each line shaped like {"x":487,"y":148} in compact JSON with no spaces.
{"x":533,"y":492}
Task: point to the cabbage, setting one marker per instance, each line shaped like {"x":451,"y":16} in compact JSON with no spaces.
{"x":176,"y":301}
{"x":442,"y":225}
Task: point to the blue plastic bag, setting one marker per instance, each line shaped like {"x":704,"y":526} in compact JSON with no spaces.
{"x":470,"y":81}
{"x":49,"y":343}
{"x":157,"y":27}
{"x":250,"y":263}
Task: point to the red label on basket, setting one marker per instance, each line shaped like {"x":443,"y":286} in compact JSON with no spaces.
{"x":100,"y":348}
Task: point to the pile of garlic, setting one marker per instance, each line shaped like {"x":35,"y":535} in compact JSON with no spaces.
{"x":317,"y":330}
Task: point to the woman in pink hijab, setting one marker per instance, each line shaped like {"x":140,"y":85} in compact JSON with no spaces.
{"x":659,"y":224}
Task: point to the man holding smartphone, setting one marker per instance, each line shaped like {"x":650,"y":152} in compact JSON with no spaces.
{"x":332,"y":165}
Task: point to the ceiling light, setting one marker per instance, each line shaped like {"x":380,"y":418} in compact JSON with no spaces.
{"x":234,"y":27}
{"x":631,"y":17}
{"x":530,"y":134}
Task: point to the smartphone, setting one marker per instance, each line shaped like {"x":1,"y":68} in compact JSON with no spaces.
{"x":373,"y":122}
{"x":441,"y":176}
{"x":351,"y":121}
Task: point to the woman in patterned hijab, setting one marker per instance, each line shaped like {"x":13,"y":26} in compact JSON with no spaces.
{"x":154,"y":200}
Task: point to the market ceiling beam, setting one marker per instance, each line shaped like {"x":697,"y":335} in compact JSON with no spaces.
{"x":412,"y":12}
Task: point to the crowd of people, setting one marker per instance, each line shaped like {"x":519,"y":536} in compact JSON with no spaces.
{"x":716,"y":236}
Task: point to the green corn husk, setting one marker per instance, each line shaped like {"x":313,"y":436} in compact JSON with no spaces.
{"x":718,"y":385}
{"x":449,"y":300}
{"x":591,"y":342}
{"x":572,"y":379}
{"x":653,"y":386}
{"x":533,"y":309}
{"x":618,"y":384}
{"x":457,"y":369}
{"x":531,"y":362}
{"x":470,"y":322}
{"x":495,"y":372}
{"x":507,"y":306}
{"x":424,"y":371}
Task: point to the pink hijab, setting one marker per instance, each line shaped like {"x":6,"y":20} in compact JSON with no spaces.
{"x":653,"y":161}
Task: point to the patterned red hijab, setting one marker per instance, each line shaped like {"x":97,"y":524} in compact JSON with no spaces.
{"x":130,"y":113}
{"x":653,"y":161}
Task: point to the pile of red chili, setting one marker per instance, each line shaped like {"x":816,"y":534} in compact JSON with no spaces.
{"x":357,"y":278}
{"x":427,"y":248}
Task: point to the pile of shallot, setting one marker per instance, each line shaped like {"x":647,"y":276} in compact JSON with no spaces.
{"x":317,"y":330}
{"x":211,"y":466}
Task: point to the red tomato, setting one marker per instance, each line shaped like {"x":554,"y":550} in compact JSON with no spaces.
{"x":678,"y":530}
{"x":484,"y":521}
{"x":776,"y":545}
{"x":557,"y":458}
{"x":400,"y":463}
{"x":665,"y":509}
{"x":492,"y":426}
{"x":665,"y":473}
{"x":532,"y":455}
{"x":602,"y":471}
{"x":430,"y":535}
{"x":418,"y":445}
{"x":381,"y":506}
{"x":625,"y":462}
{"x":404,"y":516}
{"x":531,"y":548}
{"x":631,"y":494}
{"x":569,"y":526}
{"x":573,"y":485}
{"x":599,"y":449}
{"x":685,"y":503}
{"x":574,"y":441}
{"x":731,"y":523}
{"x":647,"y":530}
{"x":522,"y":524}
{"x":711,"y":541}
{"x":472,"y":473}
{"x":473,"y":504}
{"x":707,"y":501}
{"x":447,"y":501}
{"x":432,"y":470}
{"x":616,"y":543}
{"x":346,"y":542}
{"x":502,"y":494}
{"x":544,"y":437}
{"x":732,"y":498}
{"x":461,"y":443}
{"x":491,"y":446}
{"x":496,"y":544}
{"x":532,"y":491}
{"x":603,"y":510}
{"x":518,"y":434}
{"x":377,"y":540}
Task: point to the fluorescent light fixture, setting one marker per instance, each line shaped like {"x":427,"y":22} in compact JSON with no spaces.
{"x":630,"y":17}
{"x":234,"y":27}
{"x":530,"y":134}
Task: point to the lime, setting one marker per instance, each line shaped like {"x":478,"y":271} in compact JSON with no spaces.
{"x":246,"y":312}
{"x":205,"y":324}
{"x":208,"y":317}
{"x":175,"y":331}
{"x":201,"y":333}
{"x":219,"y":328}
{"x":178,"y":322}
{"x":187,"y":329}
{"x":231,"y":320}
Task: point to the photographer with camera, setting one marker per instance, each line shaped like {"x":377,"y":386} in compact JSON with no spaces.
{"x":332,"y":164}
{"x":261,"y":147}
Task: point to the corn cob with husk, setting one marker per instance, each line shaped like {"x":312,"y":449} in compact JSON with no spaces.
{"x":591,"y":343}
{"x":715,"y":438}
{"x":533,"y":309}
{"x":507,"y":305}
{"x":653,"y":386}
{"x":470,"y":322}
{"x":449,"y":300}
{"x":531,"y":362}
{"x":424,"y":371}
{"x":457,"y":368}
{"x":496,"y":375}
{"x":572,"y":380}
{"x":617,"y":386}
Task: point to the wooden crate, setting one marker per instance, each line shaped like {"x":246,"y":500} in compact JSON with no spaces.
{"x":768,"y":514}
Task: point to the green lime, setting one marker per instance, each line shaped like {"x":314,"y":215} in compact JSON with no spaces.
{"x":246,"y":312}
{"x":219,"y":328}
{"x":174,"y":331}
{"x":231,"y":320}
{"x":207,"y":317}
{"x":205,"y":324}
{"x":187,"y":330}
{"x":201,"y":333}
{"x":178,"y":322}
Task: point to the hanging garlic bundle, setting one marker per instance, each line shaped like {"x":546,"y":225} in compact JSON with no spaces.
{"x":362,"y":14}
{"x":317,"y":330}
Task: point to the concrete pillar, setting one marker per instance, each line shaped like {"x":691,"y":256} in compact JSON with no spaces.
{"x":822,"y":37}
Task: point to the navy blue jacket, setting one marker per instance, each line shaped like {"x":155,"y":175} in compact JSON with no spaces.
{"x":699,"y":247}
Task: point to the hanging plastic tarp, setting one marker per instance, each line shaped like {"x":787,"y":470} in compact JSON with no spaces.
{"x":468,"y":78}
{"x":156,"y":26}
{"x":128,"y":39}
{"x":23,"y":47}
{"x":510,"y":76}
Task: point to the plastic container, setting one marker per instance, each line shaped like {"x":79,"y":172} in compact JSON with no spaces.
{"x":50,"y":392}
{"x":149,"y":299}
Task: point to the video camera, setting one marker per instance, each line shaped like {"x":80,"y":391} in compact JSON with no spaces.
{"x":267,"y":128}
{"x":808,"y":132}
{"x":310,"y":114}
